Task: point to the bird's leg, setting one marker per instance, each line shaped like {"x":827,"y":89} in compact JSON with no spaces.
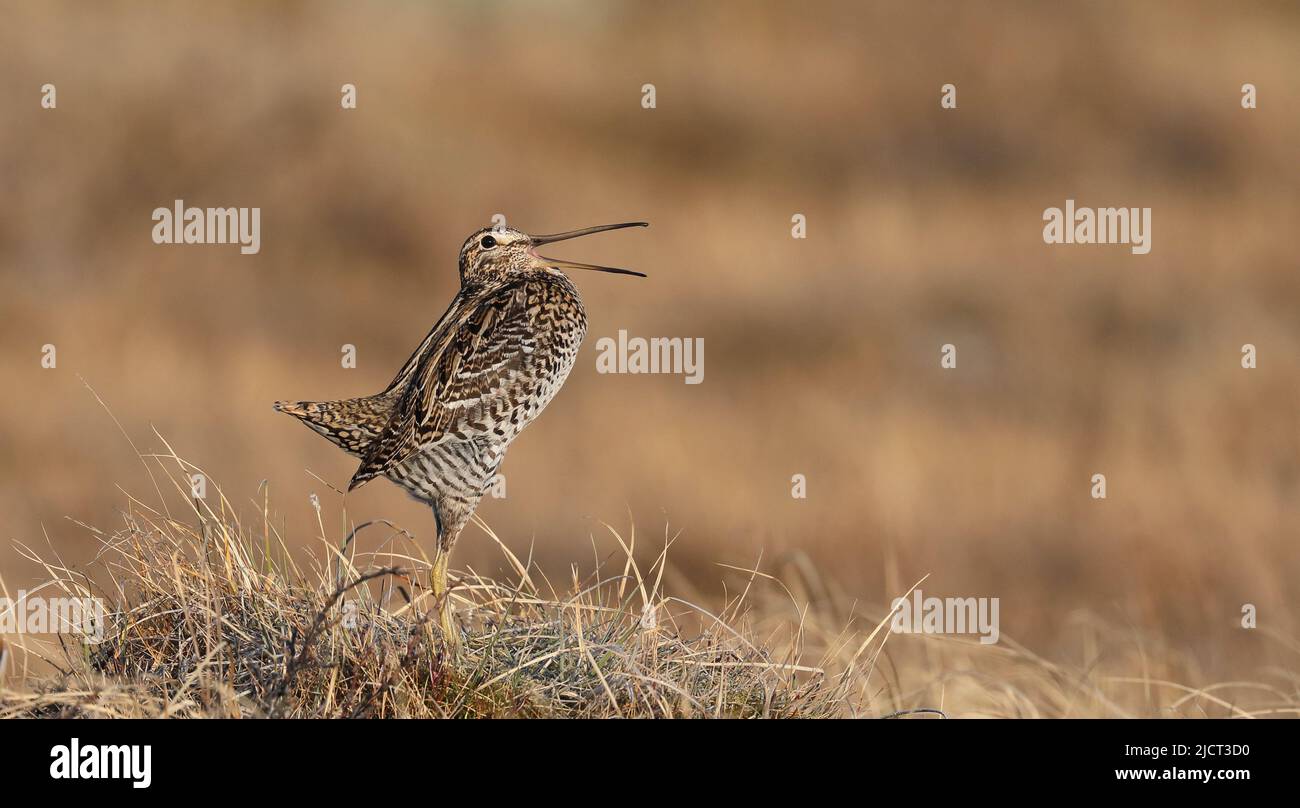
{"x":442,"y":598}
{"x":438,"y":580}
{"x":452,"y":514}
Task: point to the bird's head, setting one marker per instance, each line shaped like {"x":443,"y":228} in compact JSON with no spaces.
{"x":494,"y":254}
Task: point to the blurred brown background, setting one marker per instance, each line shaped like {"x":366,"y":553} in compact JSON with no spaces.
{"x":821,"y":356}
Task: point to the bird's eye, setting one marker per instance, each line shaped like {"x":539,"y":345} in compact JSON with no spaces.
{"x":488,"y":243}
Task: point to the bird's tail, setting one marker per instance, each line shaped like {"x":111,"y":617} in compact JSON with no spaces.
{"x":350,"y":424}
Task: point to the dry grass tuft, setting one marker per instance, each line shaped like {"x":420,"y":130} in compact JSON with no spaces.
{"x":213,"y":617}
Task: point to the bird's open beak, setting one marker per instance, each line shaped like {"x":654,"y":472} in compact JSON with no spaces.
{"x":586,"y":231}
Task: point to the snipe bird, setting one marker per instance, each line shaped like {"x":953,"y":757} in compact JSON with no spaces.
{"x":489,"y":366}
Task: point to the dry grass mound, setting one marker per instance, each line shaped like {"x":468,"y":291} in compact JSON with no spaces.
{"x":210,"y":616}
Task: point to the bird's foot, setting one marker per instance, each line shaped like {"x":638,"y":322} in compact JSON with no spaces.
{"x":451,"y":638}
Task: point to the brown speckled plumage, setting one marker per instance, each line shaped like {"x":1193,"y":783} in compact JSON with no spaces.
{"x":486,"y":370}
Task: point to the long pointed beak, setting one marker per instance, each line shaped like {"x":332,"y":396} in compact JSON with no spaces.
{"x":586,"y":231}
{"x":560,"y":262}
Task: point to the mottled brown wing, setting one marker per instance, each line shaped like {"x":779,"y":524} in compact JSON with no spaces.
{"x":490,"y":360}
